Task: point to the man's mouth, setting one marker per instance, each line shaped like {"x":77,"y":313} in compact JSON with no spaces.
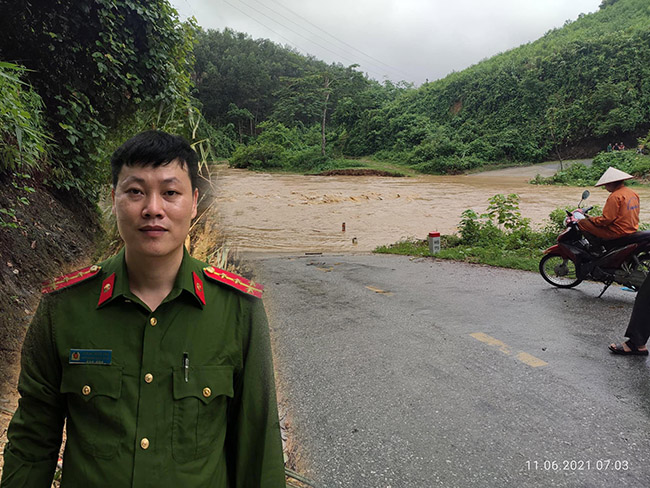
{"x":153,"y":230}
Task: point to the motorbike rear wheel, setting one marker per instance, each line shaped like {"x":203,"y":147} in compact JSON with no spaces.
{"x":559,"y":271}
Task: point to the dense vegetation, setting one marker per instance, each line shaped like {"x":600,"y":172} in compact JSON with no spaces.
{"x":78,"y":77}
{"x":567,"y":94}
{"x":90,"y":73}
{"x":631,"y":162}
{"x":274,"y":108}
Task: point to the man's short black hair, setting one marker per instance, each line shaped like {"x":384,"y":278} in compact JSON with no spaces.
{"x":155,"y":148}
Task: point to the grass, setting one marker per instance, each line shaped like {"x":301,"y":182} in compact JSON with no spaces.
{"x":524,"y":259}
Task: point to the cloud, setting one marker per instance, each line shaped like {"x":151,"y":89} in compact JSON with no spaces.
{"x":413,"y":40}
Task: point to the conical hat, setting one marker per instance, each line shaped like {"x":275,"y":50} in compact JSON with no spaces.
{"x":612,"y":175}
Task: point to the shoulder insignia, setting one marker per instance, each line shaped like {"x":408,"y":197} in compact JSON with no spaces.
{"x":69,"y":279}
{"x":236,"y":281}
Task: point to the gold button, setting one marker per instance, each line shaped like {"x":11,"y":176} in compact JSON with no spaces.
{"x":210,"y":269}
{"x":86,"y":390}
{"x":144,"y":443}
{"x":153,"y":321}
{"x":148,"y":378}
{"x":107,"y":287}
{"x":207,"y":392}
{"x":94,"y":268}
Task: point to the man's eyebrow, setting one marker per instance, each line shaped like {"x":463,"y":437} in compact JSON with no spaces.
{"x":134,"y":179}
{"x":142,"y":181}
{"x":173,"y":179}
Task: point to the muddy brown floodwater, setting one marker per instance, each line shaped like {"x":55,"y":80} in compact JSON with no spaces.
{"x":263,"y":212}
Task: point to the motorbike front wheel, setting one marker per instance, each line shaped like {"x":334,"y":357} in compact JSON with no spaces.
{"x":559,"y":271}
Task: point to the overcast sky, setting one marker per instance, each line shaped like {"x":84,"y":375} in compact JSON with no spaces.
{"x":412,"y":40}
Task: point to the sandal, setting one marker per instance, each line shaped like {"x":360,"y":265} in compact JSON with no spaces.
{"x":634,"y":351}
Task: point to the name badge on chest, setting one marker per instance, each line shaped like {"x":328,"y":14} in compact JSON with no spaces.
{"x":91,"y":356}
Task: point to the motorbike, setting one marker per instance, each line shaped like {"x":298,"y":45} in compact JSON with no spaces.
{"x":573,"y":259}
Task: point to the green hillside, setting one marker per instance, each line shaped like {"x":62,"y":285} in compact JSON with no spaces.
{"x":565,"y":95}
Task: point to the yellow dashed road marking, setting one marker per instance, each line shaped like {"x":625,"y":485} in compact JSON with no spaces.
{"x":530,"y":360}
{"x":491,"y":341}
{"x":378,"y":290}
{"x":524,"y":357}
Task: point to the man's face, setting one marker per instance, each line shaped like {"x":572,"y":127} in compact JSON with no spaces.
{"x":154,"y":208}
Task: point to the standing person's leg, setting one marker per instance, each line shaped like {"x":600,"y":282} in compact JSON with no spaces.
{"x":638,"y":329}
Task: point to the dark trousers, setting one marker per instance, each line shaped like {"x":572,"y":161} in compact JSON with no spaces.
{"x":638,"y":330}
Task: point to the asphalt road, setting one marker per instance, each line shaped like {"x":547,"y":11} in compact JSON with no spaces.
{"x":405,"y":372}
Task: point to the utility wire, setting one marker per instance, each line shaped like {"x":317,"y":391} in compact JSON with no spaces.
{"x":379,"y":68}
{"x":290,"y":42}
{"x":191,"y":9}
{"x":291,"y":30}
{"x":342,"y":42}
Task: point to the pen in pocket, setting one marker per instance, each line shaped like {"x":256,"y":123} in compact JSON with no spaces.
{"x":186,"y":366}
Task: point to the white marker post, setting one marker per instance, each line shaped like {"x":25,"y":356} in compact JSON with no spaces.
{"x":434,"y":242}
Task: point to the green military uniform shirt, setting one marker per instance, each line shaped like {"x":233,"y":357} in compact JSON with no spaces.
{"x":180,"y":397}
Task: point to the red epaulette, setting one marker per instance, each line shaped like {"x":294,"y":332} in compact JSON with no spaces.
{"x":236,"y":281}
{"x":70,"y":279}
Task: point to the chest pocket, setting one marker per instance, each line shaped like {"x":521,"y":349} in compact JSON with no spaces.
{"x":200,"y":405}
{"x":93,"y":392}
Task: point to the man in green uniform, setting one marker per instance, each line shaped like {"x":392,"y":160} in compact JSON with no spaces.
{"x":159,"y":364}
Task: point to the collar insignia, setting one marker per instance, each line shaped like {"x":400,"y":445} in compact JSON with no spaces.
{"x":198,"y":287}
{"x":108,"y":285}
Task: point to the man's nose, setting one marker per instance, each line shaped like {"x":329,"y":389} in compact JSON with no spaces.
{"x":153,"y":206}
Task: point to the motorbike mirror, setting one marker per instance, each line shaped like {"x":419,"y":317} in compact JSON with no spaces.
{"x":585,"y":194}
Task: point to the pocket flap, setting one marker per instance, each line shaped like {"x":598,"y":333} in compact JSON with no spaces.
{"x":203,"y":382}
{"x":91,"y":380}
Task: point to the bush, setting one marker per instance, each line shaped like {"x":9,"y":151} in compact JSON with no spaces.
{"x":499,"y":237}
{"x":22,"y":138}
{"x":635,"y":164}
{"x":94,"y":65}
{"x":309,"y":159}
{"x":258,"y":156}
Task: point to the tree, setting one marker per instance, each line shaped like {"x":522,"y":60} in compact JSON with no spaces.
{"x":95,"y":64}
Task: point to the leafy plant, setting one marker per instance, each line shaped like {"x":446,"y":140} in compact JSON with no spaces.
{"x":485,"y":239}
{"x":505,"y":211}
{"x":95,"y":64}
{"x":23,"y":142}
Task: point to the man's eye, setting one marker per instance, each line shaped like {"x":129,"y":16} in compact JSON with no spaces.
{"x":133,"y":191}
{"x":171,"y":193}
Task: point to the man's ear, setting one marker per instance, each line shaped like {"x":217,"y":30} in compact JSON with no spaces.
{"x":113,"y":201}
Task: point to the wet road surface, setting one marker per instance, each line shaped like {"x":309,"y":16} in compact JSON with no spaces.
{"x":407,"y":372}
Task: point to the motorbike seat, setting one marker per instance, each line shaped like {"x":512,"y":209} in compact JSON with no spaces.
{"x":641,"y":236}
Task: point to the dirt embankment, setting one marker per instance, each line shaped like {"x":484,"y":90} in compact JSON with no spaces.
{"x":55,"y":234}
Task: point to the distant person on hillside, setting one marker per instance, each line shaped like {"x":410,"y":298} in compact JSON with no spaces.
{"x":609,"y":147}
{"x":638,"y":328}
{"x":621,"y":146}
{"x":620,"y":213}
